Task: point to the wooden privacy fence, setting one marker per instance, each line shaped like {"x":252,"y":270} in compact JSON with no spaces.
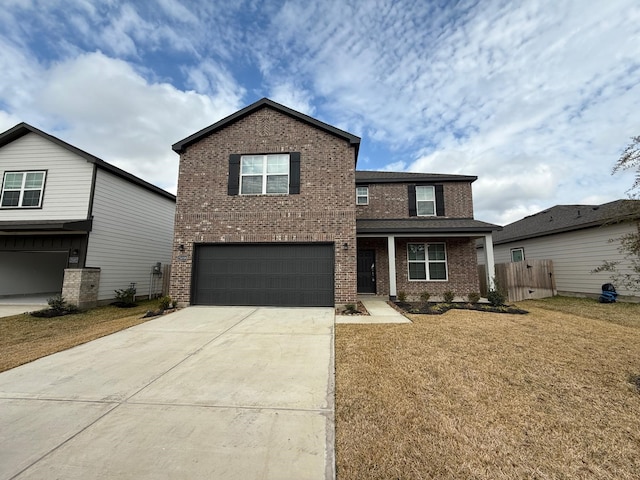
{"x":522,"y":280}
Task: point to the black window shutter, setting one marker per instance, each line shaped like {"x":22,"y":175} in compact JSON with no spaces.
{"x":294,"y":172}
{"x":439,"y":200}
{"x":234,"y":174}
{"x":413,"y":212}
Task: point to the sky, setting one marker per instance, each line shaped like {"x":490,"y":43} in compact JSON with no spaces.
{"x":537,"y":98}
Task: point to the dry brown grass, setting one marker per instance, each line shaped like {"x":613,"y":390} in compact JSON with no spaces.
{"x":549,"y":395}
{"x":24,"y":338}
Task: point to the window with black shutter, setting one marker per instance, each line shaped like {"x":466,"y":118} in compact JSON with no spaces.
{"x":264,"y":174}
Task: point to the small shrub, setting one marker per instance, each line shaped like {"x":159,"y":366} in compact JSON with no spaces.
{"x":496,"y":298}
{"x":125,"y":297}
{"x":57,"y":304}
{"x":402,"y":296}
{"x":425,"y":296}
{"x":57,"y":307}
{"x":351,"y":308}
{"x":473,"y":297}
{"x":174,"y":303}
{"x":448,"y":296}
{"x":164,"y":302}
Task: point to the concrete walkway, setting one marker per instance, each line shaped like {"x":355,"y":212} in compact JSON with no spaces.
{"x":206,"y":392}
{"x":379,"y":312}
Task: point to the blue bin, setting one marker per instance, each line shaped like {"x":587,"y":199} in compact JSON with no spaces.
{"x":609,"y":294}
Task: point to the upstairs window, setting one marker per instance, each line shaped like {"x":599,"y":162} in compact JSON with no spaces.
{"x":425,"y":201}
{"x":264,"y":174}
{"x":362,"y":195}
{"x":22,"y":189}
{"x":427,"y":261}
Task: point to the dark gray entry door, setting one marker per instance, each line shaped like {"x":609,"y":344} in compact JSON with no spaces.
{"x":366,"y":271}
{"x":263,"y":274}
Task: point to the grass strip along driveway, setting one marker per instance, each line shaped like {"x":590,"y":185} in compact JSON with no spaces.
{"x":551,"y":394}
{"x":24,"y":338}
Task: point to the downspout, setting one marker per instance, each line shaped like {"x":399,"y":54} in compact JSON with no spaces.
{"x":489,"y":261}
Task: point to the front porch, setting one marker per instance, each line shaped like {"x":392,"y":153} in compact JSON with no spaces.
{"x":421,"y":260}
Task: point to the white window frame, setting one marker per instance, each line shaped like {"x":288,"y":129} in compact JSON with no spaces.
{"x":360,"y":195}
{"x":514,"y":250}
{"x":23,"y":188}
{"x":265,"y":173}
{"x":424,"y":202}
{"x":427,"y":261}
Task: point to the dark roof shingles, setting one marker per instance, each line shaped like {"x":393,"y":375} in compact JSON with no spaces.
{"x":424,"y":226}
{"x":564,"y":218}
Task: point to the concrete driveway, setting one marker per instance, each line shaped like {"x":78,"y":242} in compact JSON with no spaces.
{"x":206,"y":392}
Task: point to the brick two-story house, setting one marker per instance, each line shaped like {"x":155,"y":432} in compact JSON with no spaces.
{"x":271,"y":211}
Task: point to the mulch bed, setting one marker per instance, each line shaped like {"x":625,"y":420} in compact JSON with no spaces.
{"x":360,"y":310}
{"x":431,"y":308}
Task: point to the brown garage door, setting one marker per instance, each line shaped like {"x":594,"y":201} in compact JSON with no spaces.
{"x":263,"y":274}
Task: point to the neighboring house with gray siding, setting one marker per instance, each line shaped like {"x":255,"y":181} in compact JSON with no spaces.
{"x":577,"y":238}
{"x":65,"y":210}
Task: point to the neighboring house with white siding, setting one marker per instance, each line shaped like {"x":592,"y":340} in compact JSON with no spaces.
{"x":71,"y":222}
{"x":578,"y":238}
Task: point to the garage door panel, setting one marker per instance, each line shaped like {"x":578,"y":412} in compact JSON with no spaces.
{"x":264,"y":274}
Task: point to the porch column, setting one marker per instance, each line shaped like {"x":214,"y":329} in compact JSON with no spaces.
{"x":391,"y":249}
{"x":489,"y":261}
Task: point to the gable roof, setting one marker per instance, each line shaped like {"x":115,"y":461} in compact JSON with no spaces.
{"x":23,"y":129}
{"x":181,"y":146}
{"x":366,"y":177}
{"x":567,"y":218}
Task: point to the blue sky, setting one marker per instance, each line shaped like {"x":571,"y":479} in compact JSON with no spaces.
{"x":537,"y":98}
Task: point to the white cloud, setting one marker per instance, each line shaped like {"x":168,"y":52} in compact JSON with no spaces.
{"x":108,"y":109}
{"x":536,"y":98}
{"x":288,"y":94}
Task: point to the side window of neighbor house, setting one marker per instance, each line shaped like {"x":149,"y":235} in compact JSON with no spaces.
{"x":362,"y":195}
{"x":22,"y":189}
{"x":427,"y":261}
{"x":425,"y":201}
{"x":264,"y":174}
{"x":517,"y":254}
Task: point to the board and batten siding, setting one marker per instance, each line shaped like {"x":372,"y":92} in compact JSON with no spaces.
{"x":132,"y":231}
{"x":67,"y":186}
{"x":574,"y":255}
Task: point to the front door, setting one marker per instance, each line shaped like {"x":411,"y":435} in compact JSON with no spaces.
{"x":366,"y":271}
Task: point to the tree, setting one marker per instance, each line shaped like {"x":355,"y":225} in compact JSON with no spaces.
{"x":629,"y":243}
{"x":629,"y":159}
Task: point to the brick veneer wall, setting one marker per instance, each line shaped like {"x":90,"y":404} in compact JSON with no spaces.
{"x":80,"y":286}
{"x":391,"y":200}
{"x":461,"y":269}
{"x":324,"y":211}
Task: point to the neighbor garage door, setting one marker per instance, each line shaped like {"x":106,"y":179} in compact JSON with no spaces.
{"x":263,"y":274}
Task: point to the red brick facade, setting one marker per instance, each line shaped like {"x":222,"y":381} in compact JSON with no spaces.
{"x":323,"y":211}
{"x":391,"y":201}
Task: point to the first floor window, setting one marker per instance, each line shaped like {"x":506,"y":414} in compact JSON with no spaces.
{"x":425,"y":201}
{"x":264,"y":174}
{"x":22,"y":189}
{"x":362,"y":195}
{"x":427,"y":261}
{"x":517,"y":254}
